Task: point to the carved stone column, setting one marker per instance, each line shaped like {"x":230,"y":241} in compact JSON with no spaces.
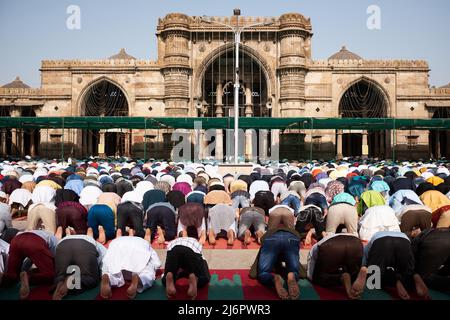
{"x":365,"y":146}
{"x":339,"y":154}
{"x":248,"y":132}
{"x":4,"y":142}
{"x":219,"y":135}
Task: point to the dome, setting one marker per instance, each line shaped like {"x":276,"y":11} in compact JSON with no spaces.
{"x":344,"y":54}
{"x":447,"y":86}
{"x":17,"y":83}
{"x":122,"y":55}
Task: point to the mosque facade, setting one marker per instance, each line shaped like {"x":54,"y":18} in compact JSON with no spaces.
{"x":193,"y":76}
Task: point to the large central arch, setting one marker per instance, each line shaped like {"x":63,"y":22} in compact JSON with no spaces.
{"x":244,"y":49}
{"x":365,"y":98}
{"x":104,"y":97}
{"x":215,"y":89}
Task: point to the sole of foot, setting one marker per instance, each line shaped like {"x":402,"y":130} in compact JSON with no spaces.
{"x":61,"y":290}
{"x":359,"y":284}
{"x":421,"y":287}
{"x":346,"y":281}
{"x":24,"y":286}
{"x":247,"y":237}
{"x":192,"y":291}
{"x":132,"y":289}
{"x":230,"y":237}
{"x":281,"y":291}
{"x":170,"y":285}
{"x":401,"y":291}
{"x":211,"y":239}
{"x":101,"y":235}
{"x":105,"y":288}
{"x":293,"y":289}
{"x":161,"y":238}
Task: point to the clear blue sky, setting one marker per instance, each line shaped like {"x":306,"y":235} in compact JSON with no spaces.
{"x":31,"y":31}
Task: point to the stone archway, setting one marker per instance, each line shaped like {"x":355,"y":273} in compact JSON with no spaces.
{"x":216,"y":94}
{"x":364,"y":98}
{"x":104,"y":97}
{"x":244,"y":50}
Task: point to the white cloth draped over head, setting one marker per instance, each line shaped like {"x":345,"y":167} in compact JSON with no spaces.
{"x":168,"y":178}
{"x":143,"y":186}
{"x":132,"y":196}
{"x":43,"y":194}
{"x":89,"y":195}
{"x":129,"y":253}
{"x":184,"y":178}
{"x":26,"y":178}
{"x":21,"y":196}
{"x":377,"y":218}
{"x":258,"y":185}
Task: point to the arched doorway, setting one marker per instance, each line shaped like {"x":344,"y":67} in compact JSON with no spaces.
{"x":217,"y":89}
{"x":440,"y":139}
{"x":105,"y":98}
{"x":364,"y":99}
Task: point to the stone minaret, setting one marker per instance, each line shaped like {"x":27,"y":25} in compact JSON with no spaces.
{"x":173,"y":34}
{"x":295,"y":49}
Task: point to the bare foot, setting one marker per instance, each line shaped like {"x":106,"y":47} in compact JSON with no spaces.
{"x":281,"y":291}
{"x":360,"y":283}
{"x":211,"y":238}
{"x":184,"y":234}
{"x":402,"y":293}
{"x":132,"y":289}
{"x":346,"y":281}
{"x":161,"y":238}
{"x":148,"y":235}
{"x":101,"y":235}
{"x":24,"y":285}
{"x":192,"y":291}
{"x":131,"y":232}
{"x":118,"y":233}
{"x":68,"y":232}
{"x":58,"y":233}
{"x":247,"y":237}
{"x":170,"y":285}
{"x":259,"y":235}
{"x":308,"y":239}
{"x":202,"y":239}
{"x":421,"y":287}
{"x":61,"y":290}
{"x":105,"y":287}
{"x":90,"y":232}
{"x":230,"y":236}
{"x":294,"y":290}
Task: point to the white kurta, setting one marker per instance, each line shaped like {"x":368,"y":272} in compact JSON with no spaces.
{"x":377,"y":218}
{"x":131,"y":255}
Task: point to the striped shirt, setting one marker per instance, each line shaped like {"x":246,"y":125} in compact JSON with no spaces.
{"x":191,"y":243}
